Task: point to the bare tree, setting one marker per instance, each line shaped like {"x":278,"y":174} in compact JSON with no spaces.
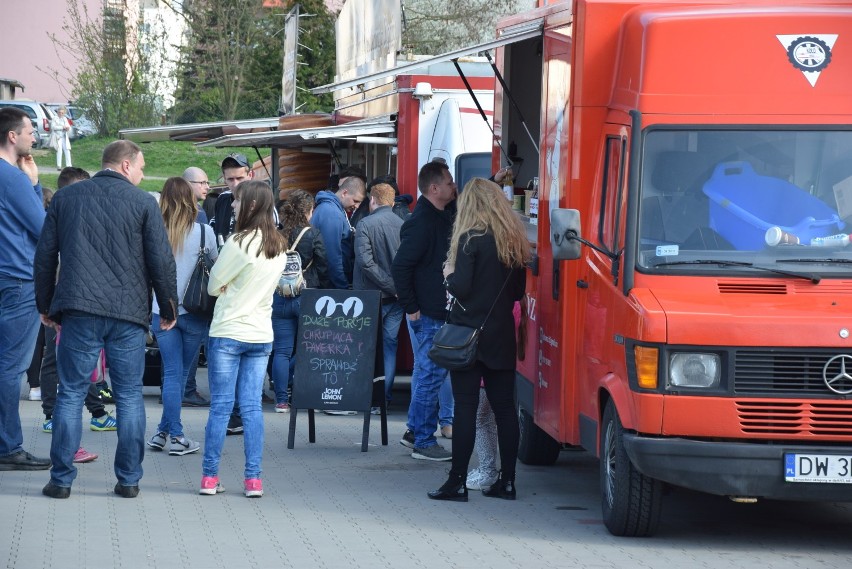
{"x":113,"y":84}
{"x":437,"y":26}
{"x":221,"y":37}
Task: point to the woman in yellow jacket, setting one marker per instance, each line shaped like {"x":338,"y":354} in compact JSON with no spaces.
{"x":244,"y":277}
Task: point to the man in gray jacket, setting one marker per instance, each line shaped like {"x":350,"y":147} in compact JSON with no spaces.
{"x":376,"y":244}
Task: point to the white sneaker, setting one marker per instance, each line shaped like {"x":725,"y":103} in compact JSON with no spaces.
{"x":479,"y":480}
{"x":183,"y":445}
{"x":35,"y":394}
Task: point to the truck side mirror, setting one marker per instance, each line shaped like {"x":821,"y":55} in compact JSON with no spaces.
{"x":565,"y":235}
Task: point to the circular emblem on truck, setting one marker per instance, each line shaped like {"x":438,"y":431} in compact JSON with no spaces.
{"x":836,"y":374}
{"x":809,"y":54}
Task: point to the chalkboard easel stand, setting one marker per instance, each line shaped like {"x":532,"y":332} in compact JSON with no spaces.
{"x":378,"y":400}
{"x":312,"y":430}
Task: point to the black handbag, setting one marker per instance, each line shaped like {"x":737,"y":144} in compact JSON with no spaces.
{"x":454,"y":346}
{"x":196,"y":300}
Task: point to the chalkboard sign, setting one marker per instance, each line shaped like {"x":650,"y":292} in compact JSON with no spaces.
{"x":335,"y":349}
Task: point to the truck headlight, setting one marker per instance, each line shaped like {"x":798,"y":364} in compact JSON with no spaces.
{"x":694,"y":370}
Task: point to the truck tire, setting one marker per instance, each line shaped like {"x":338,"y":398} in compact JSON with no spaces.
{"x":630,"y":501}
{"x":536,"y":447}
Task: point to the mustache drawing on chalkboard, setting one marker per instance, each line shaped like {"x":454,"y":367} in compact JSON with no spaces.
{"x":352,"y":306}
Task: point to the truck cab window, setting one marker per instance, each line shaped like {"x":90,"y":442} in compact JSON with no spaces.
{"x":612,"y":193}
{"x":756,"y":196}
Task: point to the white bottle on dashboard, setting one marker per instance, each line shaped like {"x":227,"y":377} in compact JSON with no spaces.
{"x":839,"y":240}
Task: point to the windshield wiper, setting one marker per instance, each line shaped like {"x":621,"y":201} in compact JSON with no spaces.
{"x":722,"y":263}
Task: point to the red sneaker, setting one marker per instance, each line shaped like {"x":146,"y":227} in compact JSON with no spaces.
{"x":254,"y":488}
{"x":82,"y":455}
{"x":211,"y":486}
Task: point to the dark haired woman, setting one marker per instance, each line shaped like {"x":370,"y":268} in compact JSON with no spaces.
{"x":295,"y":214}
{"x":244,"y":278}
{"x":179,"y":345}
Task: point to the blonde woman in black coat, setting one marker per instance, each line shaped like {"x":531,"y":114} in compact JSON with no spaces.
{"x":488,"y":248}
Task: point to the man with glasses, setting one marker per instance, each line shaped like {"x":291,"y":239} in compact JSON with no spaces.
{"x":197,"y":179}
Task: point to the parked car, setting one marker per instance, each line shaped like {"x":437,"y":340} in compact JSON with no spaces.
{"x":40,"y":115}
{"x":84,"y":126}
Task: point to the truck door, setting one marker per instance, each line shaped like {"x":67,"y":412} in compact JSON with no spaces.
{"x":600,"y":271}
{"x":553,"y":400}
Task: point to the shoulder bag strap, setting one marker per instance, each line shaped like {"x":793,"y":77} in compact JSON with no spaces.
{"x":493,"y":304}
{"x":299,"y":238}
{"x":201,"y":247}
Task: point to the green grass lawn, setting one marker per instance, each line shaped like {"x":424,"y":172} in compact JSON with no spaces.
{"x":162,"y":160}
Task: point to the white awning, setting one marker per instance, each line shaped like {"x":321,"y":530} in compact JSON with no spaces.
{"x":511,"y":35}
{"x":194,"y":131}
{"x":298,"y":137}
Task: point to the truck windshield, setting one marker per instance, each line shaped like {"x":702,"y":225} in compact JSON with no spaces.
{"x":730,"y":198}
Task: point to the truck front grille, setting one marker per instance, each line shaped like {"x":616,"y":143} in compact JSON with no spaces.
{"x":792,"y":419}
{"x":786,"y":372}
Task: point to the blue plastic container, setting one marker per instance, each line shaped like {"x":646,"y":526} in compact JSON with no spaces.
{"x":744,"y":204}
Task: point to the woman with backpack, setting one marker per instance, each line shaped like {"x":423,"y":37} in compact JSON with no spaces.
{"x":244,"y":278}
{"x":179,"y":345}
{"x":306,"y":241}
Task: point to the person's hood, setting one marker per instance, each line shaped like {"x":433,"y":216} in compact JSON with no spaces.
{"x":326,"y":196}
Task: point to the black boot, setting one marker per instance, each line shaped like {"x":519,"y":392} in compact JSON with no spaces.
{"x":453,"y":490}
{"x":503,"y":488}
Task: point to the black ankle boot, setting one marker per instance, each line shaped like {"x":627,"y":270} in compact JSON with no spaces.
{"x":503,"y":488}
{"x":453,"y":490}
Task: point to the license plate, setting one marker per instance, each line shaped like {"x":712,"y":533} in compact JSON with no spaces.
{"x":824,"y":468}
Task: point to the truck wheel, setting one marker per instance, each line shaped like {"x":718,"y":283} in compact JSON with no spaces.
{"x":536,"y":447}
{"x":631,"y":502}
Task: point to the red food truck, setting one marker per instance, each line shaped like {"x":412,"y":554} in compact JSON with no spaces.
{"x":691,"y":296}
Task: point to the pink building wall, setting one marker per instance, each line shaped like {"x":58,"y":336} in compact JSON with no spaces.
{"x":25,"y":47}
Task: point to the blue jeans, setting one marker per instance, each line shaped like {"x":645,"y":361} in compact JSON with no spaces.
{"x":83,"y":335}
{"x":191,"y":384}
{"x":235,"y":367}
{"x":426,"y":382}
{"x":18,"y":330}
{"x":285,"y":321}
{"x":446,"y":402}
{"x":178,"y":348}
{"x":391,"y":319}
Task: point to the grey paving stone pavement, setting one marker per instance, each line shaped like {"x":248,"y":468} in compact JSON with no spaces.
{"x":328,"y":505}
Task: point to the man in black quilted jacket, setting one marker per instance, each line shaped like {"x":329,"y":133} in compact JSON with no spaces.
{"x":114,"y":250}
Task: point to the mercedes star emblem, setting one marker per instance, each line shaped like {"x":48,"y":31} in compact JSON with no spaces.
{"x":837,"y":376}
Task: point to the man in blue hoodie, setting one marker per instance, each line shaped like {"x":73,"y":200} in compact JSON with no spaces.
{"x":23,"y":217}
{"x":330,"y":217}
